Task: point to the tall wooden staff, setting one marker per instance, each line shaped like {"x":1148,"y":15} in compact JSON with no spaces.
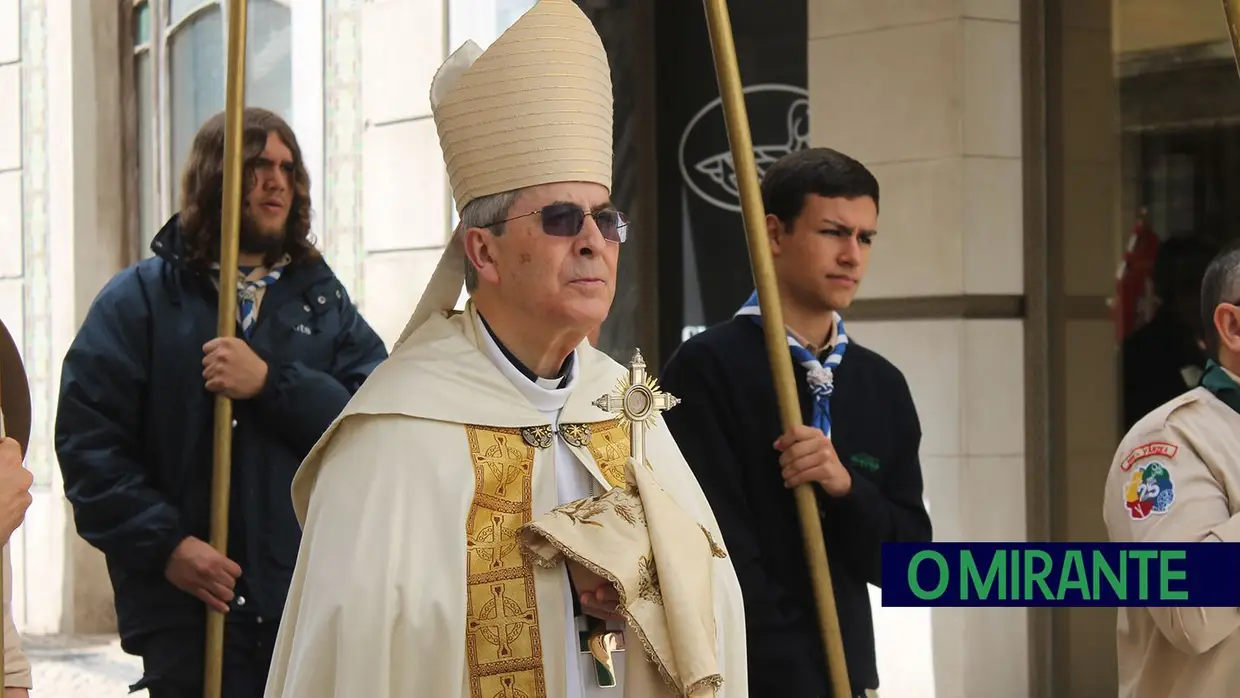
{"x":743,"y":163}
{"x":230,"y":223}
{"x":1232,"y":10}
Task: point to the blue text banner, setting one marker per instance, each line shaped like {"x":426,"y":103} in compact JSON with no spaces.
{"x":1061,"y":574}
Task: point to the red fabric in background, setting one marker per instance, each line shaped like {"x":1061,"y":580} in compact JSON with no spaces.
{"x":1134,"y":290}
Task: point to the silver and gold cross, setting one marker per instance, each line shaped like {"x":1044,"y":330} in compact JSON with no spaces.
{"x":638,"y":402}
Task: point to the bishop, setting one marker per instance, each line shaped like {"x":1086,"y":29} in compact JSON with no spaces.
{"x":475,"y":504}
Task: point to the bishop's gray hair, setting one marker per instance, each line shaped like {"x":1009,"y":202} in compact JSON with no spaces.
{"x":1221,"y":284}
{"x":483,"y":212}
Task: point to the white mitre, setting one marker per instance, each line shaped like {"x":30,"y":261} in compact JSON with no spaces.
{"x":534,"y":108}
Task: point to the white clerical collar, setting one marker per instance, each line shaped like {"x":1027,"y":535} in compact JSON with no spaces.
{"x":545,"y":394}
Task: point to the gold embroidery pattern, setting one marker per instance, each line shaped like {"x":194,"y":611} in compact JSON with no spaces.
{"x":582,"y":511}
{"x":538,"y":437}
{"x":648,"y":581}
{"x":576,"y":435}
{"x":715,"y":549}
{"x":622,"y":500}
{"x":609,"y":444}
{"x":502,"y":640}
{"x":628,"y":504}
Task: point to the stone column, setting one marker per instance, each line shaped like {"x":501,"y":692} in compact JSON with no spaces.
{"x":14,"y":167}
{"x":69,"y":222}
{"x":1082,"y":241}
{"x":928,"y":95}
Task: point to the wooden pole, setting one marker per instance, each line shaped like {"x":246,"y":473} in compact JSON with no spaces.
{"x":230,"y":232}
{"x":741,"y":143}
{"x":1231,"y":9}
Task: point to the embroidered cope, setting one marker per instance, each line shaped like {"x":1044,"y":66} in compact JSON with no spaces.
{"x":412,"y":579}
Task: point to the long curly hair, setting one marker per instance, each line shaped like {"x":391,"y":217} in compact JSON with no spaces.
{"x":202,"y":187}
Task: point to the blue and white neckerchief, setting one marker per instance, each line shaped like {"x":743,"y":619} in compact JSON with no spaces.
{"x":821,"y":373}
{"x":247,"y":295}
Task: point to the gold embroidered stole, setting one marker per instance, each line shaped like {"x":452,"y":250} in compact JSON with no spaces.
{"x":504,"y":642}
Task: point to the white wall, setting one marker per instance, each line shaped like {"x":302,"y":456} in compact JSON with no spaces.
{"x":307,"y":116}
{"x":951,"y":225}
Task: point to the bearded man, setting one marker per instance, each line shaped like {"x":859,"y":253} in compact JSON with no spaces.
{"x":134,"y":425}
{"x":474,"y":507}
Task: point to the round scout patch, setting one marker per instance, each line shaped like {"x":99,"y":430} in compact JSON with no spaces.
{"x":1149,"y":491}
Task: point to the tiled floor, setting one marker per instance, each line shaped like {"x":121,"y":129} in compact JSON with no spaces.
{"x":81,"y":667}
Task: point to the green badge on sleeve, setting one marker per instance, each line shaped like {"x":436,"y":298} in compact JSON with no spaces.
{"x":866,"y":462}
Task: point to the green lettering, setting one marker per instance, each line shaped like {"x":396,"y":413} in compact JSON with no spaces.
{"x":944,"y":576}
{"x":971,"y":579}
{"x":1014,"y":580}
{"x":1165,"y":557}
{"x":1039,"y":577}
{"x":1143,"y":579}
{"x":1075,"y":566}
{"x":1103,"y":568}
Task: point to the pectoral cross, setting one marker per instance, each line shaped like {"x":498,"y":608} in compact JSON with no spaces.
{"x":638,"y":401}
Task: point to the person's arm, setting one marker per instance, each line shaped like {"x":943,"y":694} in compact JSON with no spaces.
{"x":17,"y":674}
{"x":705,"y":431}
{"x":299,"y":402}
{"x":857,"y":524}
{"x":1198,"y":514}
{"x":97,"y":432}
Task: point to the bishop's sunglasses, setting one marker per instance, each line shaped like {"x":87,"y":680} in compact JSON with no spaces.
{"x":564,"y":220}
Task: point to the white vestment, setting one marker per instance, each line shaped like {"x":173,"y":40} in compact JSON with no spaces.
{"x":410,"y":580}
{"x":573,"y":481}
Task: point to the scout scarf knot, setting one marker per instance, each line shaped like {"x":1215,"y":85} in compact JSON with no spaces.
{"x":821,"y":374}
{"x":247,"y":298}
{"x":1216,"y":380}
{"x":247,"y":293}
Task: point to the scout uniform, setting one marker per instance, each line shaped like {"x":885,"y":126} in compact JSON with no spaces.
{"x":1176,"y":478}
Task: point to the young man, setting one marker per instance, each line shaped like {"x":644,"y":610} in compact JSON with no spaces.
{"x":427,"y":567}
{"x":134,"y":425}
{"x":858,"y":443}
{"x":1176,"y":478}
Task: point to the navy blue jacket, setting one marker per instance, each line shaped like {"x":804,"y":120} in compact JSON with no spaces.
{"x":134,"y":426}
{"x":727,"y":424}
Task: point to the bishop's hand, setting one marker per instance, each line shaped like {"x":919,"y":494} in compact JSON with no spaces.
{"x":598,"y":596}
{"x":808,"y":456}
